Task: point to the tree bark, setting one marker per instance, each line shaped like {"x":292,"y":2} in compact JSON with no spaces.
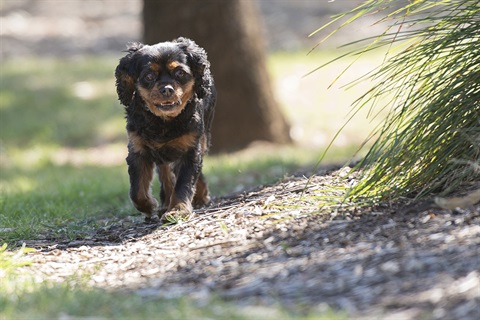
{"x":231,"y":34}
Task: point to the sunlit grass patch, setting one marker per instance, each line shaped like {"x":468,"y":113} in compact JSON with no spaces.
{"x":39,"y":202}
{"x":78,"y":301}
{"x":58,"y":102}
{"x":12,"y":278}
{"x":10,"y":261}
{"x":263,"y":164}
{"x":318,"y":104}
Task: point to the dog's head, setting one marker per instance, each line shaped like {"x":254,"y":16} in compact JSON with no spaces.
{"x":166,"y":75}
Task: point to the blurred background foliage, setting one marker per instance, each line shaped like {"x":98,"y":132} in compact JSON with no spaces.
{"x":58,"y":105}
{"x":59,"y":111}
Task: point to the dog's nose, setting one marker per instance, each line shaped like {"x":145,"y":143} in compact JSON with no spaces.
{"x":166,"y":90}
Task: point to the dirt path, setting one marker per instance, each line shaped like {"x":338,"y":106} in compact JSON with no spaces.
{"x":256,"y":248}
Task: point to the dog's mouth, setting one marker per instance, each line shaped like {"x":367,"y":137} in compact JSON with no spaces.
{"x":168,"y":105}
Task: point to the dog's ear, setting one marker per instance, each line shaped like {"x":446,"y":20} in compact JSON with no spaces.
{"x":198,"y":61}
{"x":125,"y":75}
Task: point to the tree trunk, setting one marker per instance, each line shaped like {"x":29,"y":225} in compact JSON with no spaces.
{"x":230,"y":33}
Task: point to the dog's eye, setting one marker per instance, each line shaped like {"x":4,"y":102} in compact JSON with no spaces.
{"x":149,"y":77}
{"x":179,"y":73}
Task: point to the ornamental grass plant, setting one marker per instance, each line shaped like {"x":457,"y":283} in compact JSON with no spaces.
{"x":429,"y":82}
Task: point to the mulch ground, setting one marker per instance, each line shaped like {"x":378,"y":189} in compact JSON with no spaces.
{"x":276,"y":245}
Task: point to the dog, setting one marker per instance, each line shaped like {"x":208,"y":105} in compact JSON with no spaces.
{"x":169,"y":96}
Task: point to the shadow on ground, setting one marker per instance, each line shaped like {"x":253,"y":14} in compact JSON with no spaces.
{"x":272,"y":246}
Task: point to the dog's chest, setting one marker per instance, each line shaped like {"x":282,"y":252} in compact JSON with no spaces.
{"x":165,"y":141}
{"x":162,"y":143}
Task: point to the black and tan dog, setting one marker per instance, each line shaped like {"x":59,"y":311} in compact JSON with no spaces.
{"x":169,"y":95}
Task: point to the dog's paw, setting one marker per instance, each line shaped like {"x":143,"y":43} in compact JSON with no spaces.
{"x":201,"y":201}
{"x":150,"y":220}
{"x":161,"y":211}
{"x":178,"y":214}
{"x":148,"y":206}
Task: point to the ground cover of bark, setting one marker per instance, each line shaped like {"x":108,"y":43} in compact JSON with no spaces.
{"x":287,"y":244}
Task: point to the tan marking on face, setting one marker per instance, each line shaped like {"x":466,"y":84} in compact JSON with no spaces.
{"x":147,"y":96}
{"x":155,"y":67}
{"x":187,"y":94}
{"x":172,"y":65}
{"x":151,"y":97}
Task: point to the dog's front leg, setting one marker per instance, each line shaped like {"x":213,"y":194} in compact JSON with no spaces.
{"x":140,"y":170}
{"x":167,"y":184}
{"x":201,"y":197}
{"x":188,"y":170}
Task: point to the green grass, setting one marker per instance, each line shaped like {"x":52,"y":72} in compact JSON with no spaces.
{"x":318,"y":104}
{"x":55,"y":198}
{"x":80,"y":303}
{"x":59,"y":103}
{"x":63,"y":173}
{"x":74,"y":300}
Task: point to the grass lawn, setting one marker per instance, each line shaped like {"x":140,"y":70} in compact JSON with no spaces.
{"x":62,"y":168}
